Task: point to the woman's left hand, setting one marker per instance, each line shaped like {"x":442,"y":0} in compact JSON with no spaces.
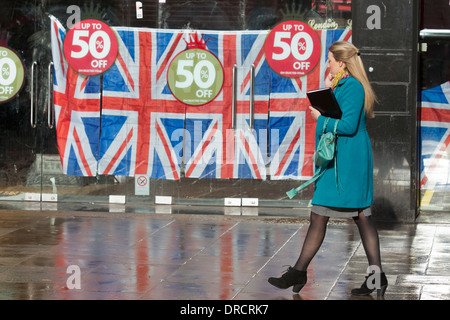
{"x":314,"y":113}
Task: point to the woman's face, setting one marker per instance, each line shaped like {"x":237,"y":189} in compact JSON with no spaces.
{"x":334,"y":65}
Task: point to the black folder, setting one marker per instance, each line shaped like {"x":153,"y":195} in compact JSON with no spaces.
{"x":325,"y":101}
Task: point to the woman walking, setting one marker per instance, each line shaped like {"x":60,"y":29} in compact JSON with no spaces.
{"x":351,"y":195}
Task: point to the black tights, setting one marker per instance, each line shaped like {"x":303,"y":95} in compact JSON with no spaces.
{"x":313,"y":240}
{"x":369,"y":238}
{"x":316,"y":234}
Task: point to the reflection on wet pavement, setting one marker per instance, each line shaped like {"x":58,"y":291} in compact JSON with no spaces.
{"x":151,"y":256}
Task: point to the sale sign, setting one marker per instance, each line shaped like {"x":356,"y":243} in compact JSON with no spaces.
{"x":11,"y":74}
{"x":195,"y":77}
{"x":292,"y":49}
{"x":90,"y":47}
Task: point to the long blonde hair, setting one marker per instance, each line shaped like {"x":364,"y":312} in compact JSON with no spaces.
{"x":348,"y":53}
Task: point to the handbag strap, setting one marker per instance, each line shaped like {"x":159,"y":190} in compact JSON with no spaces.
{"x":335,"y":126}
{"x":293,"y":192}
{"x":325,"y":124}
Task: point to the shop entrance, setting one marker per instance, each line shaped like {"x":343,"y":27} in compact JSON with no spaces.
{"x":125,"y":137}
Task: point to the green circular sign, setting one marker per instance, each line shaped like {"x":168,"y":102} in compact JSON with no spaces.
{"x":195,"y":77}
{"x":11,"y":74}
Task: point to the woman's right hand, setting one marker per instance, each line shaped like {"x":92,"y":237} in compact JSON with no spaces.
{"x":314,"y":113}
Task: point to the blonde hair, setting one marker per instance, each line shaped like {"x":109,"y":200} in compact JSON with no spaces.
{"x":347,"y":52}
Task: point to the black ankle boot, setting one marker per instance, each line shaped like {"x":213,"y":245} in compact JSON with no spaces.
{"x":291,"y":277}
{"x":364,"y":290}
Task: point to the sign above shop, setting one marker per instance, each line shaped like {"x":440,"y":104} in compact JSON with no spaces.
{"x":292,"y":49}
{"x":11,"y":72}
{"x":90,"y":47}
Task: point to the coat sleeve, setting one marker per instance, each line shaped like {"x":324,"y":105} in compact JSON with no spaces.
{"x":351,"y":102}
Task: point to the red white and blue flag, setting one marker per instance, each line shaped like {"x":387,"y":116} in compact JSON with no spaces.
{"x":435,"y":137}
{"x":77,"y":112}
{"x":127,"y":122}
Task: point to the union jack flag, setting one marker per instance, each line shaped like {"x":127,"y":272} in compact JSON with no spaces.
{"x":127,"y":121}
{"x":77,"y":112}
{"x":435,"y":137}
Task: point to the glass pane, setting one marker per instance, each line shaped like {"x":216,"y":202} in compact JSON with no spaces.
{"x":125,"y":133}
{"x":20,"y":147}
{"x":435,"y":85}
{"x":74,"y":147}
{"x":276,"y":154}
{"x":251,"y":14}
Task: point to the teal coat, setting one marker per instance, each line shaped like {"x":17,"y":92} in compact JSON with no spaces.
{"x":354,"y":153}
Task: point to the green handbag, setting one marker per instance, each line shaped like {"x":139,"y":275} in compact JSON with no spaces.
{"x":325,"y":153}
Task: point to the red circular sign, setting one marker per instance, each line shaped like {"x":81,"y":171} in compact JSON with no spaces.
{"x":292,"y":49}
{"x":90,"y":47}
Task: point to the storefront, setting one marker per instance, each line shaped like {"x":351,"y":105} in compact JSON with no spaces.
{"x":433,"y":114}
{"x":189,"y":109}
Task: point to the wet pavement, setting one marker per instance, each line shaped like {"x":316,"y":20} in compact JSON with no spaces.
{"x":48,"y":255}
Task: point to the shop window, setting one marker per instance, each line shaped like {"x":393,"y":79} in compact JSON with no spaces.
{"x":252,"y":14}
{"x":435,"y":85}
